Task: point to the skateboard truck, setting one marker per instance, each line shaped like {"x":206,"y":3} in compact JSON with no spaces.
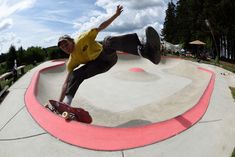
{"x":50,"y":107}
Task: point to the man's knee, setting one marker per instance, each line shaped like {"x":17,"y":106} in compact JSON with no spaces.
{"x":107,"y":42}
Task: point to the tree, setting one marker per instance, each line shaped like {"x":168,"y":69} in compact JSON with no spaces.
{"x":11,"y":57}
{"x":226,"y":22}
{"x":197,"y":19}
{"x":190,"y":16}
{"x":34,"y":54}
{"x":55,"y":53}
{"x":21,"y":56}
{"x":182,"y":24}
{"x":168,"y":31}
{"x":3,"y":57}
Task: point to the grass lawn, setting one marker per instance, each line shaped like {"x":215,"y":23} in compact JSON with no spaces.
{"x":233,"y":155}
{"x":225,"y":65}
{"x":233,"y":91}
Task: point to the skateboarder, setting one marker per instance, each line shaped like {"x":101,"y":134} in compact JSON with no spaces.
{"x":99,"y":58}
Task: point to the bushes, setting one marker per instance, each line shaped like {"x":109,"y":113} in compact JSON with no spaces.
{"x":32,"y":55}
{"x":3,"y":68}
{"x":55,"y":53}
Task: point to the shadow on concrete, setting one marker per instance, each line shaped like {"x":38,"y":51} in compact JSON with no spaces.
{"x":132,"y":123}
{"x":128,"y":57}
{"x":186,"y":123}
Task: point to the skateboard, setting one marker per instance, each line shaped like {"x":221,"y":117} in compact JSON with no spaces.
{"x":69,"y":113}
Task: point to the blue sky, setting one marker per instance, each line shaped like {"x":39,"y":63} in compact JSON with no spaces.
{"x":39,"y":23}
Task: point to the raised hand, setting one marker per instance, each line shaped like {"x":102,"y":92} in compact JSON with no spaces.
{"x":119,"y":10}
{"x":111,"y":19}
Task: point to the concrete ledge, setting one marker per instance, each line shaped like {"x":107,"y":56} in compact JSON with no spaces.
{"x":105,"y":138}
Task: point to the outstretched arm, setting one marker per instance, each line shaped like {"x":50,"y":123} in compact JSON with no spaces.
{"x":106,"y":23}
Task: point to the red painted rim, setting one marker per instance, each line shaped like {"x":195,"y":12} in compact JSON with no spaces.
{"x":111,"y":139}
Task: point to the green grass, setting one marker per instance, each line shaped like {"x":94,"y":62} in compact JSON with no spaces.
{"x":233,"y":155}
{"x":233,"y":91}
{"x":29,"y":67}
{"x":225,"y":65}
{"x":6,"y":83}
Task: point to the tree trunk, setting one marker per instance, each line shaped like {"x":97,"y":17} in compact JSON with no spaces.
{"x":233,"y":50}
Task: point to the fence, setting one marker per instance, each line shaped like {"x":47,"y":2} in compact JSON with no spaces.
{"x":13,"y":74}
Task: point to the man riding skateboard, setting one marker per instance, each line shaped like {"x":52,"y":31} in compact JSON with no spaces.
{"x":99,"y":58}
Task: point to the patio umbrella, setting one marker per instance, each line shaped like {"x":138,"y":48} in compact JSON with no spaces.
{"x":197,"y":42}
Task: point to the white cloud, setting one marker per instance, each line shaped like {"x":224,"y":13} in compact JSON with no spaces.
{"x":6,"y":40}
{"x":27,"y":33}
{"x":33,"y":33}
{"x":7,"y":37}
{"x":5,"y":24}
{"x":55,"y":16}
{"x":137,"y":15}
{"x":137,"y":5}
{"x":8,"y":7}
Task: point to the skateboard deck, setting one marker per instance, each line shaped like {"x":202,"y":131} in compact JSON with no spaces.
{"x":69,"y":113}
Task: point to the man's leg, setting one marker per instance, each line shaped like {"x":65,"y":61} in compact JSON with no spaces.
{"x":100,"y":65}
{"x":126,"y":43}
{"x":68,"y":99}
{"x":130,"y":43}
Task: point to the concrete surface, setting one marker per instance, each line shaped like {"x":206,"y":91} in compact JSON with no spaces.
{"x":156,"y":94}
{"x":145,"y":99}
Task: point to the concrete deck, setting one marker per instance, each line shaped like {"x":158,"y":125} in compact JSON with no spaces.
{"x":125,"y":98}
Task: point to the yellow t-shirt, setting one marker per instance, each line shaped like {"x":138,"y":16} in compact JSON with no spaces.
{"x":86,"y":49}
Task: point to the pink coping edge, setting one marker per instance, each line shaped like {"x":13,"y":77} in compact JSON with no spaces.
{"x":112,"y":139}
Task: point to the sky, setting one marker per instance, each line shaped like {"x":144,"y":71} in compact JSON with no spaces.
{"x":41,"y":22}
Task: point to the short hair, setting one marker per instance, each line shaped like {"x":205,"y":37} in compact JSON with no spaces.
{"x":62,"y":38}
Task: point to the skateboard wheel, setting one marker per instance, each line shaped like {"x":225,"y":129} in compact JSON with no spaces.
{"x":65,"y":115}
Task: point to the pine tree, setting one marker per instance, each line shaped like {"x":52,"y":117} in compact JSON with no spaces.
{"x":168,"y":31}
{"x":21,"y":56}
{"x":183,"y":22}
{"x":11,"y":57}
{"x":186,"y":22}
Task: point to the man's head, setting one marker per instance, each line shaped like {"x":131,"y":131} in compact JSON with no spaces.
{"x":66,"y":43}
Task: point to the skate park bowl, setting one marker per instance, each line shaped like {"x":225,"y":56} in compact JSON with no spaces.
{"x":135,"y":103}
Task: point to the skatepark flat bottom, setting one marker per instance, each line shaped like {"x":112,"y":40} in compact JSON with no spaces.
{"x":134,"y":92}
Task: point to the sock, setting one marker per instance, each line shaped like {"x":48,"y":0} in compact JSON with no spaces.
{"x":68,"y":99}
{"x":139,"y":48}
